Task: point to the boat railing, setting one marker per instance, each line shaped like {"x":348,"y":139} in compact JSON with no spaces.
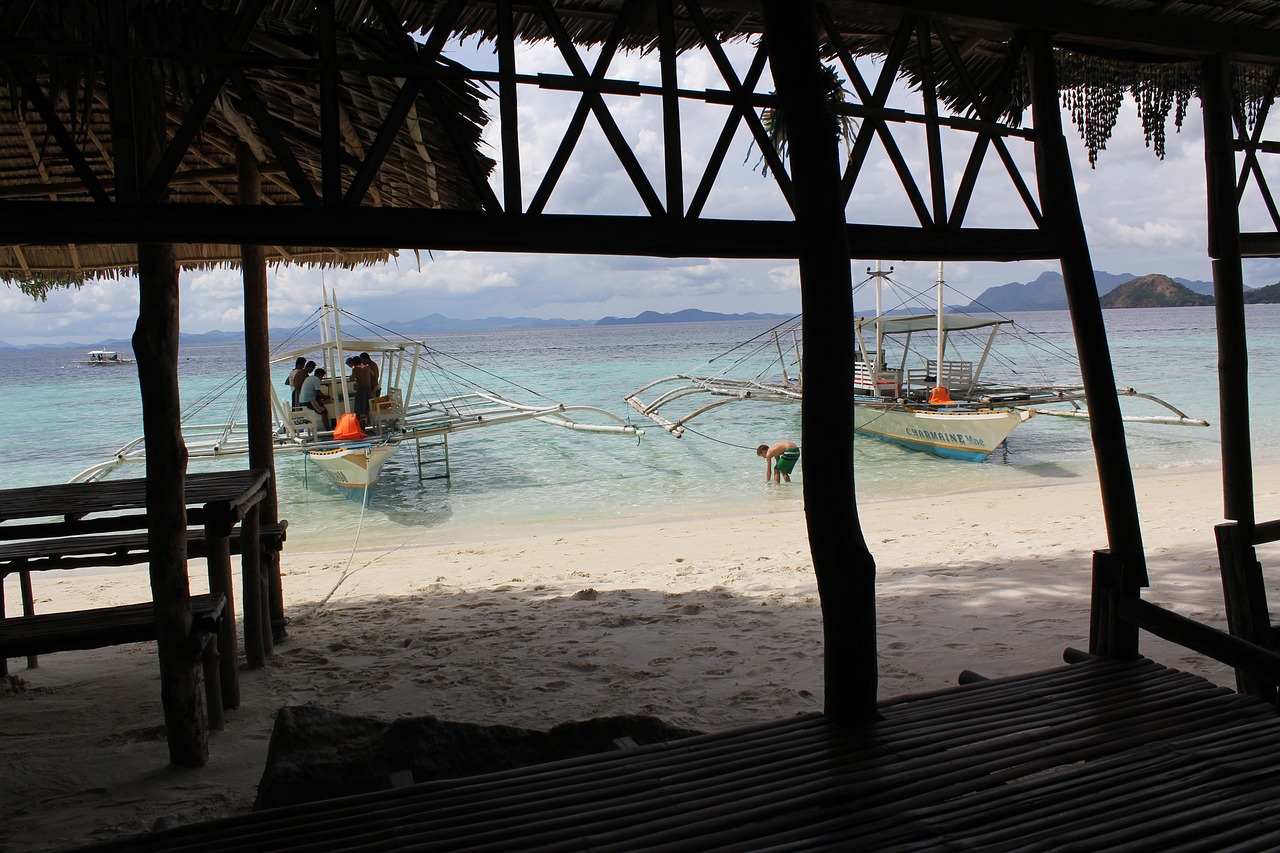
{"x":955,"y":376}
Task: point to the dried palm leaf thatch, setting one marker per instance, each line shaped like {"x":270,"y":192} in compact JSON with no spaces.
{"x":422,"y":168}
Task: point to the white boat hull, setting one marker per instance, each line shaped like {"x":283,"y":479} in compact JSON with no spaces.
{"x":953,"y":433}
{"x":355,"y":466}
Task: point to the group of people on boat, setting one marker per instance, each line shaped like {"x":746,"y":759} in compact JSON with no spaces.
{"x":306,"y":382}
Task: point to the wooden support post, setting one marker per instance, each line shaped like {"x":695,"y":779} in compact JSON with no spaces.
{"x":1228,"y":292}
{"x":1245,"y":594}
{"x":257,"y":624}
{"x":252,"y":602}
{"x":257,"y":359}
{"x":218,"y":556}
{"x":4,"y":661}
{"x":155,"y":342}
{"x":210,"y":669}
{"x":842,"y":562}
{"x":1104,"y":615}
{"x":1244,"y":591}
{"x":1063,"y":220}
{"x":28,"y":609}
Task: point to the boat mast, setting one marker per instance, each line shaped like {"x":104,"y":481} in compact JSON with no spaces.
{"x":940,"y":394}
{"x":340,"y":364}
{"x":879,"y":327}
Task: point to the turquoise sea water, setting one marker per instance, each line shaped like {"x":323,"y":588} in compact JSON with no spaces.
{"x":62,"y":417}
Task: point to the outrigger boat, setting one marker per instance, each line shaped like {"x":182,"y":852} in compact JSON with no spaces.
{"x":929,"y":399}
{"x":426,"y":396}
{"x":105,"y":357}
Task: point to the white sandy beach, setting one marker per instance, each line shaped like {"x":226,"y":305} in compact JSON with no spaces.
{"x":706,"y":622}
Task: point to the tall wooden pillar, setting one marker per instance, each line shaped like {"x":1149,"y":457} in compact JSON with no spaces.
{"x":155,"y":343}
{"x":1243,"y":585}
{"x":138,"y":138}
{"x":842,"y":562}
{"x":257,"y":358}
{"x":1123,"y":565}
{"x":1228,"y":291}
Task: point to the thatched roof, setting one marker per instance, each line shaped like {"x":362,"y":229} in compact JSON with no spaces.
{"x":421,"y":169}
{"x":1106,"y":49}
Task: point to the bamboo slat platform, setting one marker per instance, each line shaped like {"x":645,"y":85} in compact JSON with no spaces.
{"x":1098,"y":755}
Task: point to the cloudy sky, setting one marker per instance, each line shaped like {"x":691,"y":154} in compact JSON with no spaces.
{"x":1142,"y":214}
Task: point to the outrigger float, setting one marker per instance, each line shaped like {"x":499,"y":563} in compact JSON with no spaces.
{"x":925,"y":398}
{"x":403,"y":413}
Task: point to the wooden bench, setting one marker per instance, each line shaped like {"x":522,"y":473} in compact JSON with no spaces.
{"x":114,"y":549}
{"x":47,"y":633}
{"x":107,"y":549}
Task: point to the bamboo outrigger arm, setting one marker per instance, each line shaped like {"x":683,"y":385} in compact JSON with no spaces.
{"x":1179,"y":418}
{"x":729,"y":390}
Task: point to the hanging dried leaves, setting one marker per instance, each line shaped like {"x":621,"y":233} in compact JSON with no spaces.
{"x":1093,"y":90}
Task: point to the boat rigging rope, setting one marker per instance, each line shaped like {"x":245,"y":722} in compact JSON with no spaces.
{"x":347,"y":571}
{"x":436,"y":354}
{"x":718,"y":440}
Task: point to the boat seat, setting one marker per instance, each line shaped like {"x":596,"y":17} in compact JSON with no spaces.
{"x":306,"y":419}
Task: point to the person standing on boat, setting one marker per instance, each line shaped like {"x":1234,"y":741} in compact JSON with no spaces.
{"x":296,"y":377}
{"x":780,"y":460}
{"x":312,"y":397}
{"x":362,"y":376}
{"x":373,"y":372}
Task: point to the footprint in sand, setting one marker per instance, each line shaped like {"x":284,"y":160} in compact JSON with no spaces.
{"x":552,"y":686}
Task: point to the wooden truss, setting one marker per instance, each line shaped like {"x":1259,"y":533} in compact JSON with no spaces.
{"x":325,"y":182}
{"x":322,"y":179}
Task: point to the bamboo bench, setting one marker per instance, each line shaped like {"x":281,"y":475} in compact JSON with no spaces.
{"x":114,"y":549}
{"x":47,"y":633}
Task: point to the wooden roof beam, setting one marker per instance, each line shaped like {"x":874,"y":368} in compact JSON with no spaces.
{"x":376,"y":228}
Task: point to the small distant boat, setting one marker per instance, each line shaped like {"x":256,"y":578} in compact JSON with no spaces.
{"x":925,"y":398}
{"x":105,"y":356}
{"x":425,"y":396}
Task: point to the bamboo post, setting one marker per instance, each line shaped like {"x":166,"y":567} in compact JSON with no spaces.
{"x":1062,"y":218}
{"x":257,"y":358}
{"x":1228,"y":292}
{"x":1243,"y":586}
{"x":842,"y":562}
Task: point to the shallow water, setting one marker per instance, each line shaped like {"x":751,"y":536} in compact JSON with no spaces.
{"x":531,"y":472}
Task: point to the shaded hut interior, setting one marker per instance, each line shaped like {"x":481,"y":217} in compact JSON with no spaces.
{"x":365,"y":140}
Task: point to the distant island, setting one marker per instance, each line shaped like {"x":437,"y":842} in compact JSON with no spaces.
{"x":1263,"y":295}
{"x":1124,"y":290}
{"x":689,"y":315}
{"x":1153,"y":291}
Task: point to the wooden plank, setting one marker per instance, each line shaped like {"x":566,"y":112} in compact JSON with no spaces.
{"x":1108,"y":754}
{"x":469,"y":231}
{"x":47,"y":633}
{"x":119,"y":549}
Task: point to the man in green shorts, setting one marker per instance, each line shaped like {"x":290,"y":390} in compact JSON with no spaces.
{"x":779,"y":460}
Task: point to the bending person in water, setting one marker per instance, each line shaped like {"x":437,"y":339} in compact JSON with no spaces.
{"x":779,"y":460}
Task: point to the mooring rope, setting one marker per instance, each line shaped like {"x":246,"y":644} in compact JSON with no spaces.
{"x":347,"y":571}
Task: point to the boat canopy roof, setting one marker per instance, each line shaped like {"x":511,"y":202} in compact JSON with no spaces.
{"x":929,"y":323}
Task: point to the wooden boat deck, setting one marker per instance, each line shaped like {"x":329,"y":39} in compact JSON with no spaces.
{"x":1104,"y":754}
